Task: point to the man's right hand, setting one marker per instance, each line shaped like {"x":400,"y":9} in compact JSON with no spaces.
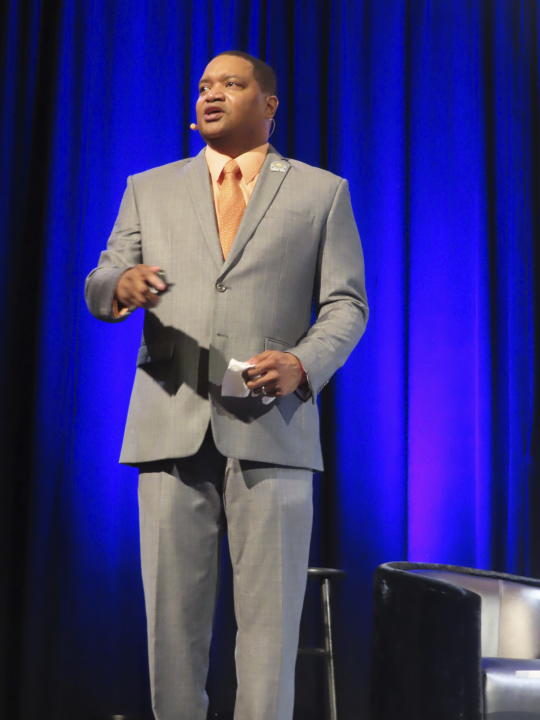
{"x":133,"y":287}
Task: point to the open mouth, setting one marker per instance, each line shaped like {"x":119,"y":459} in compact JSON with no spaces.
{"x":213,"y":114}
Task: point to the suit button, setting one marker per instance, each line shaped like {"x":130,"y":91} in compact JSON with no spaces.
{"x":220,"y":287}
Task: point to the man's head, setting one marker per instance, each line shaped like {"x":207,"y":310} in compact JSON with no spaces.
{"x":237,"y":99}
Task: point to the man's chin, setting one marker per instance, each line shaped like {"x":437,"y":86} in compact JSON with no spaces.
{"x":213,"y":130}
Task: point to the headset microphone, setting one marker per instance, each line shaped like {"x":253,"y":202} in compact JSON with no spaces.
{"x":193,"y":126}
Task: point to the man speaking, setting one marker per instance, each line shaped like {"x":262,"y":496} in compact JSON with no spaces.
{"x":231,"y":254}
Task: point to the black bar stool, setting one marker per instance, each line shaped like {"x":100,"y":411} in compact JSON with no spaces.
{"x":325,"y":576}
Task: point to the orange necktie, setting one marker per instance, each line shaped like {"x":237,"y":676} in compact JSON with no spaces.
{"x":231,"y":205}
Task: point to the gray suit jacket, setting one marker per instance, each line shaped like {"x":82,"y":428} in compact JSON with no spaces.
{"x":296,"y":257}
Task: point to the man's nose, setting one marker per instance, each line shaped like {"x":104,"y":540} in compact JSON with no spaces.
{"x":216,"y":93}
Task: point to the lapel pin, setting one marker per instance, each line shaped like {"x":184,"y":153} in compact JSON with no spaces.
{"x":278,"y":166}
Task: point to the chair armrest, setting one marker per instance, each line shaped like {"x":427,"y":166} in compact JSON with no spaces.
{"x":426,"y":648}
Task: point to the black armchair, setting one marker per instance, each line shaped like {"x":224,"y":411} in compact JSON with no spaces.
{"x":454,"y":643}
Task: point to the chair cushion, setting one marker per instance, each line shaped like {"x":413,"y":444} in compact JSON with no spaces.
{"x":511,"y":689}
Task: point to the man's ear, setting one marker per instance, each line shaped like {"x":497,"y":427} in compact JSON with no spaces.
{"x":271,"y":106}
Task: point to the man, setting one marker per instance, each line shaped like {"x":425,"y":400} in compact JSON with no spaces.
{"x":250,"y":242}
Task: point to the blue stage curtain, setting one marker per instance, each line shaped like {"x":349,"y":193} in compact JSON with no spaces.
{"x":431,"y":109}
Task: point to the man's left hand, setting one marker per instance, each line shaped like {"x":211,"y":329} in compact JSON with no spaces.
{"x":275,"y":373}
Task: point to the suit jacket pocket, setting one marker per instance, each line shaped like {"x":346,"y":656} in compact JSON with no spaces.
{"x":158,"y":352}
{"x":275,"y":344}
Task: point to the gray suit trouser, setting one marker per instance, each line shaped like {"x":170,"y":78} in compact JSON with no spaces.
{"x":184,"y":507}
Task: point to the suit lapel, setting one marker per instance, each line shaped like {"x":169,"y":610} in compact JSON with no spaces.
{"x":272,"y":175}
{"x":199,"y":185}
{"x":200,"y":190}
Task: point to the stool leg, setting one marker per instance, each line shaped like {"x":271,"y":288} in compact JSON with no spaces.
{"x":328,"y":646}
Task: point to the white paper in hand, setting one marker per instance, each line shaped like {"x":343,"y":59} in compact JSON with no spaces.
{"x":233,"y":384}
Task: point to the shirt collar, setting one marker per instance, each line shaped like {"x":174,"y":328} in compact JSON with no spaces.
{"x":250,"y":162}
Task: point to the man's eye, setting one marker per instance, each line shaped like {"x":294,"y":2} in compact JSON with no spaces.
{"x":232,"y":82}
{"x":203,"y":88}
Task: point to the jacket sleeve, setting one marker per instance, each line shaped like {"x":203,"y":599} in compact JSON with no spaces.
{"x":342,"y":308}
{"x":123,"y":252}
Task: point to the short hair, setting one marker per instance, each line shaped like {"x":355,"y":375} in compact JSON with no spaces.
{"x":262,"y":72}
